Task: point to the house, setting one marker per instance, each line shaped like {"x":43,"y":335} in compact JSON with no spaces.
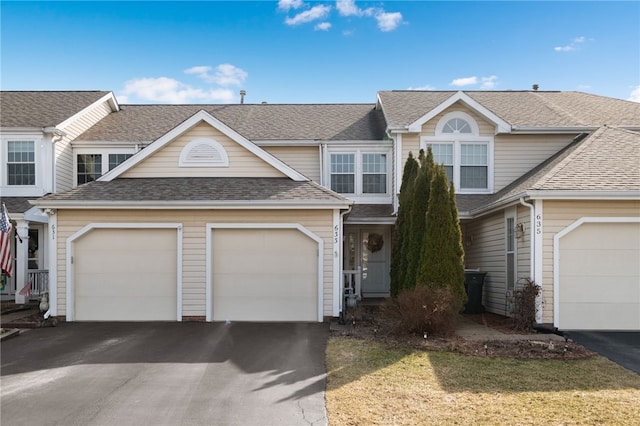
{"x":36,"y":130}
{"x":273,"y":212}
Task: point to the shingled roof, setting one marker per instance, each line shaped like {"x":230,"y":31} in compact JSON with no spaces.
{"x":521,"y":109}
{"x":605,"y":160}
{"x":194,"y":191}
{"x":43,"y":109}
{"x":146,"y":123}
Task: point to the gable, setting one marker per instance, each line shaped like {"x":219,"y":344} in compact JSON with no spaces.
{"x":205,"y":127}
{"x":486,"y":128}
{"x":203,"y":151}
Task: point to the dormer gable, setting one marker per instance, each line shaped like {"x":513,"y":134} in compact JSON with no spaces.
{"x":203,"y":146}
{"x":500,"y":125}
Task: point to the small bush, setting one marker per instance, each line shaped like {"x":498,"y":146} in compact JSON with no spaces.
{"x":524,"y":312}
{"x":422,"y":310}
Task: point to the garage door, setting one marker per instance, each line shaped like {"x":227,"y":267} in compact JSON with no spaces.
{"x":599,"y":277}
{"x":126,"y":275}
{"x":264,"y":275}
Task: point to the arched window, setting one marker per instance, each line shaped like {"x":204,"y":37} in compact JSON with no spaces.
{"x":203,"y":152}
{"x":465,"y":154}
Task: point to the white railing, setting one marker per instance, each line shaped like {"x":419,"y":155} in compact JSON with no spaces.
{"x":352,"y":280}
{"x":39,"y":279}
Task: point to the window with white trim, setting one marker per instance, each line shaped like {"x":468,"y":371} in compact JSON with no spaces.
{"x":466,"y":156}
{"x":91,"y":163}
{"x":21,"y":163}
{"x":360,"y":173}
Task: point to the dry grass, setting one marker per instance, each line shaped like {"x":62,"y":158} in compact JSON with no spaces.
{"x":371,"y":383}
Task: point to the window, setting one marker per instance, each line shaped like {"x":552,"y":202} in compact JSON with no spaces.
{"x":361,"y":174}
{"x":374,"y":173}
{"x":510,"y":252}
{"x":89,"y":167}
{"x":465,"y":154}
{"x":91,"y":163}
{"x":21,"y":163}
{"x":116,"y":159}
{"x":343,"y":173}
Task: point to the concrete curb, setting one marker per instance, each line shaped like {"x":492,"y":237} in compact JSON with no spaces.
{"x":8,"y":333}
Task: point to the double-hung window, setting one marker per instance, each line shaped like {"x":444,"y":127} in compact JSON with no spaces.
{"x":360,"y":173}
{"x":21,"y":163}
{"x":465,"y":155}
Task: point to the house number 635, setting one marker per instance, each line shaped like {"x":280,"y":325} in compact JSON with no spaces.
{"x":538,"y":224}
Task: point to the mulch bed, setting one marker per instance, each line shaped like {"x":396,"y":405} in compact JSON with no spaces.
{"x":370,"y":328}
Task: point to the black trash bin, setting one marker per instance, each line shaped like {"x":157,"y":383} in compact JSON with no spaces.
{"x":473,"y":282}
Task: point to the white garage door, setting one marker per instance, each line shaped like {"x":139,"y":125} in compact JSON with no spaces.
{"x":599,"y":277}
{"x":264,"y":275}
{"x":126,"y":275}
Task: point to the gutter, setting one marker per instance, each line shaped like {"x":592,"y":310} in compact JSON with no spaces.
{"x":189,"y":205}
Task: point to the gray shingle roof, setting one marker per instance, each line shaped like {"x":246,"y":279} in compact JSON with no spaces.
{"x":198,"y":189}
{"x":16,"y":204}
{"x":146,"y":123}
{"x":43,"y":109}
{"x":608,"y":159}
{"x":520,"y":108}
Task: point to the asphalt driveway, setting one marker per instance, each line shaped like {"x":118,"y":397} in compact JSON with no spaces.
{"x":620,"y":347}
{"x":165,"y":374}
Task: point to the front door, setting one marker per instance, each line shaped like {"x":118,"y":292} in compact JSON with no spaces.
{"x":368,"y":251}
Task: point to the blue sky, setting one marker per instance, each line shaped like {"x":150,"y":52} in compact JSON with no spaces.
{"x":295,"y":51}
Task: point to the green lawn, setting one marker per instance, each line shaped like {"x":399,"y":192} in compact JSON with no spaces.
{"x":370,"y":383}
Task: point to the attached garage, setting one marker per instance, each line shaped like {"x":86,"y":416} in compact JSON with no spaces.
{"x":124,"y":273}
{"x":262,"y":273}
{"x":597,"y":275}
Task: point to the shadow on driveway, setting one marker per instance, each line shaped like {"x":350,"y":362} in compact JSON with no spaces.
{"x":195,"y":373}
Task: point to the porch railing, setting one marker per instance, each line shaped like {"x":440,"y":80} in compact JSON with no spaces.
{"x":39,"y":279}
{"x":352,"y":280}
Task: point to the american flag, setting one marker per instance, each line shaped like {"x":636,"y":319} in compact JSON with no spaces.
{"x":6,"y":260}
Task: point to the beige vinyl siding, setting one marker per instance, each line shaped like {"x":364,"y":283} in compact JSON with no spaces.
{"x":484,"y":245}
{"x":410,"y":144}
{"x":304,"y":159}
{"x":486,"y":128}
{"x":63,"y":153}
{"x":515,"y":155}
{"x":556,"y":216}
{"x":320,"y":222}
{"x":165,"y":162}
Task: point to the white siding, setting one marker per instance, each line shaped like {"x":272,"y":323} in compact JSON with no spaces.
{"x":62,"y":149}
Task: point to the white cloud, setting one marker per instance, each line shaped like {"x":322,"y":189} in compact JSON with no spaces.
{"x":286,"y":5}
{"x":169,"y":90}
{"x":571,"y":46}
{"x":635,"y":94}
{"x":348,"y":8}
{"x":224,"y":75}
{"x":465,"y":81}
{"x":315,"y":13}
{"x":489,"y":83}
{"x":322,"y":26}
{"x":388,"y":21}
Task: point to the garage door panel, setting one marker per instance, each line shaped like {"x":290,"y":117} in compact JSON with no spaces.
{"x":599,"y":316}
{"x":590,"y":288}
{"x":264,"y":275}
{"x":126,"y":275}
{"x":599,"y":277}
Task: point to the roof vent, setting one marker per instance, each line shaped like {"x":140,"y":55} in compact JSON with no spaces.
{"x":243,"y":93}
{"x":203,"y":152}
{"x":535,"y":87}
